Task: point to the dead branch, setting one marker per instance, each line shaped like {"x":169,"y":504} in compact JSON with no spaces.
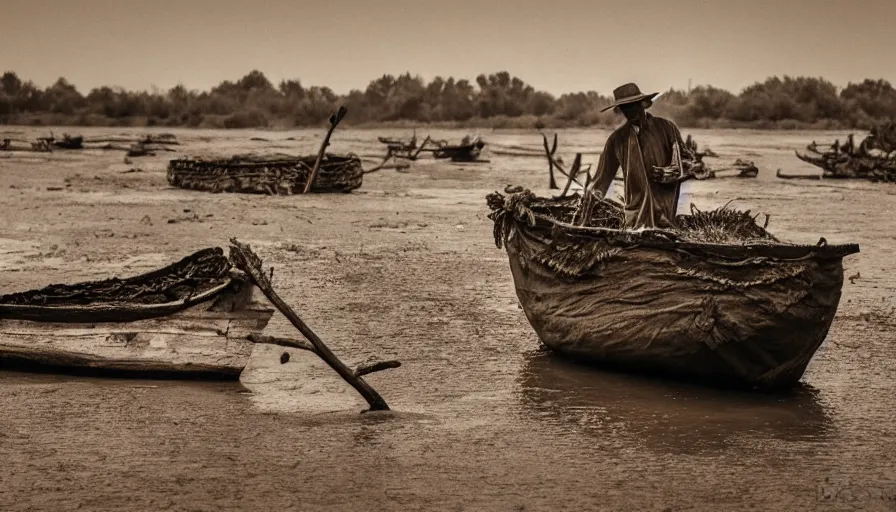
{"x":423,"y":145}
{"x":573,"y":173}
{"x":553,"y":163}
{"x":334,"y":120}
{"x":552,"y":183}
{"x":282,"y":342}
{"x":782,"y":175}
{"x":246,"y":260}
{"x":376,"y":366}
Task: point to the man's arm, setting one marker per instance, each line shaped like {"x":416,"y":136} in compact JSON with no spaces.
{"x":671,"y":175}
{"x":606,"y":168}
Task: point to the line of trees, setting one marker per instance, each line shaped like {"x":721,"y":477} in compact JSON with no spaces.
{"x":495,"y":100}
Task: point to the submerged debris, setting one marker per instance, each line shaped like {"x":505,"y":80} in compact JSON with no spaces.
{"x":874,"y":158}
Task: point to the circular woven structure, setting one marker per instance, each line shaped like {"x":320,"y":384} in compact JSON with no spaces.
{"x":267,"y":175}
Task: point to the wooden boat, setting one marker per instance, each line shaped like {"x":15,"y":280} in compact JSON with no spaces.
{"x":190,"y":318}
{"x":719,"y":300}
{"x":467,"y":151}
{"x":277,"y":175}
{"x":67,"y":142}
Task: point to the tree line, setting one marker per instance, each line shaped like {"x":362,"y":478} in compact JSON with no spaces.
{"x":497,"y":100}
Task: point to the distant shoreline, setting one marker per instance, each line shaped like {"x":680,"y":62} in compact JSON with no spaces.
{"x":513,"y":124}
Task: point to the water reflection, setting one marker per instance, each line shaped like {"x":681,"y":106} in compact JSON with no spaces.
{"x":666,"y":416}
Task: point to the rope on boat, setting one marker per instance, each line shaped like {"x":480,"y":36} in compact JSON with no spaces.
{"x":570,"y":252}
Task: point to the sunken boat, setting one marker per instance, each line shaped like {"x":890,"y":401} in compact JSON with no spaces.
{"x":718,"y":300}
{"x":273,"y":175}
{"x":189,"y":319}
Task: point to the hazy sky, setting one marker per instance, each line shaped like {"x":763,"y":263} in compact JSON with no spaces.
{"x":555,"y":45}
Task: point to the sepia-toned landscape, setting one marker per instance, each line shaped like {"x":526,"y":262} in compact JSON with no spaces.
{"x":473,"y":255}
{"x":405,"y":267}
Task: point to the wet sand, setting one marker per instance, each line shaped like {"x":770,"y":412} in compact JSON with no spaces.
{"x":406,"y":268}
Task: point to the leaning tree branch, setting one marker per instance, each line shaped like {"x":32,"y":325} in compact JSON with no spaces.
{"x":246,"y":260}
{"x":334,"y":120}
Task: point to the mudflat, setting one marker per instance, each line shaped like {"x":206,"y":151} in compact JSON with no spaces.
{"x":406,"y":268}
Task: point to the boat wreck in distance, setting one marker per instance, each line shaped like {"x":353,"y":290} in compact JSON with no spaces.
{"x":874,"y":159}
{"x":190,"y":318}
{"x":719,"y":300}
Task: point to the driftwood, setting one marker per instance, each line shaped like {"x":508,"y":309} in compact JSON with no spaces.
{"x":402,"y":150}
{"x":41,"y":146}
{"x":400,"y":145}
{"x":67,"y":142}
{"x":552,"y":183}
{"x":334,"y":120}
{"x":162,"y":139}
{"x":556,"y":163}
{"x":398,"y":166}
{"x":785,"y":176}
{"x":873,"y":159}
{"x":246,"y":260}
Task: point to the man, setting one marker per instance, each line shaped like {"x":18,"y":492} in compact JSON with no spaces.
{"x":649,"y":150}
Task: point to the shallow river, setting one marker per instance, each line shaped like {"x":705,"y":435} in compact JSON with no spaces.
{"x":406,"y":268}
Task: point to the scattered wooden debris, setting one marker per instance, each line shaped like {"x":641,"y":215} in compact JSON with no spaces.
{"x":556,"y":163}
{"x":874,"y":159}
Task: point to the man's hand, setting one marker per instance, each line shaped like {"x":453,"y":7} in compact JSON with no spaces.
{"x":670,"y":174}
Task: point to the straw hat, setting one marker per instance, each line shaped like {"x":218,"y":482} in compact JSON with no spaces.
{"x":629,"y":93}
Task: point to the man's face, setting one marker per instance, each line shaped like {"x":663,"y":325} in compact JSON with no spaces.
{"x":632,"y":111}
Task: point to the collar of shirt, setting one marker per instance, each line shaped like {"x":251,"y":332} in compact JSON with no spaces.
{"x":646,"y":123}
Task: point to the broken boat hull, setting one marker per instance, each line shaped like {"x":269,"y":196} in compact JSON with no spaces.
{"x":203,"y":334}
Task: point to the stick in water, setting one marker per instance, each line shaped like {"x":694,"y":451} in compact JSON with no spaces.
{"x":334,"y":120}
{"x":245,"y":259}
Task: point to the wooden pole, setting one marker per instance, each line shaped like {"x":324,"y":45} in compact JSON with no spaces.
{"x":246,"y":260}
{"x":552,"y":183}
{"x":573,"y":173}
{"x":334,"y":120}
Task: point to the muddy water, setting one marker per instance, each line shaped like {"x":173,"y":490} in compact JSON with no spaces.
{"x":406,"y":268}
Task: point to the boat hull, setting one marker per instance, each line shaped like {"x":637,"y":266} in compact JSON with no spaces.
{"x":663,"y":312}
{"x":198,"y":338}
